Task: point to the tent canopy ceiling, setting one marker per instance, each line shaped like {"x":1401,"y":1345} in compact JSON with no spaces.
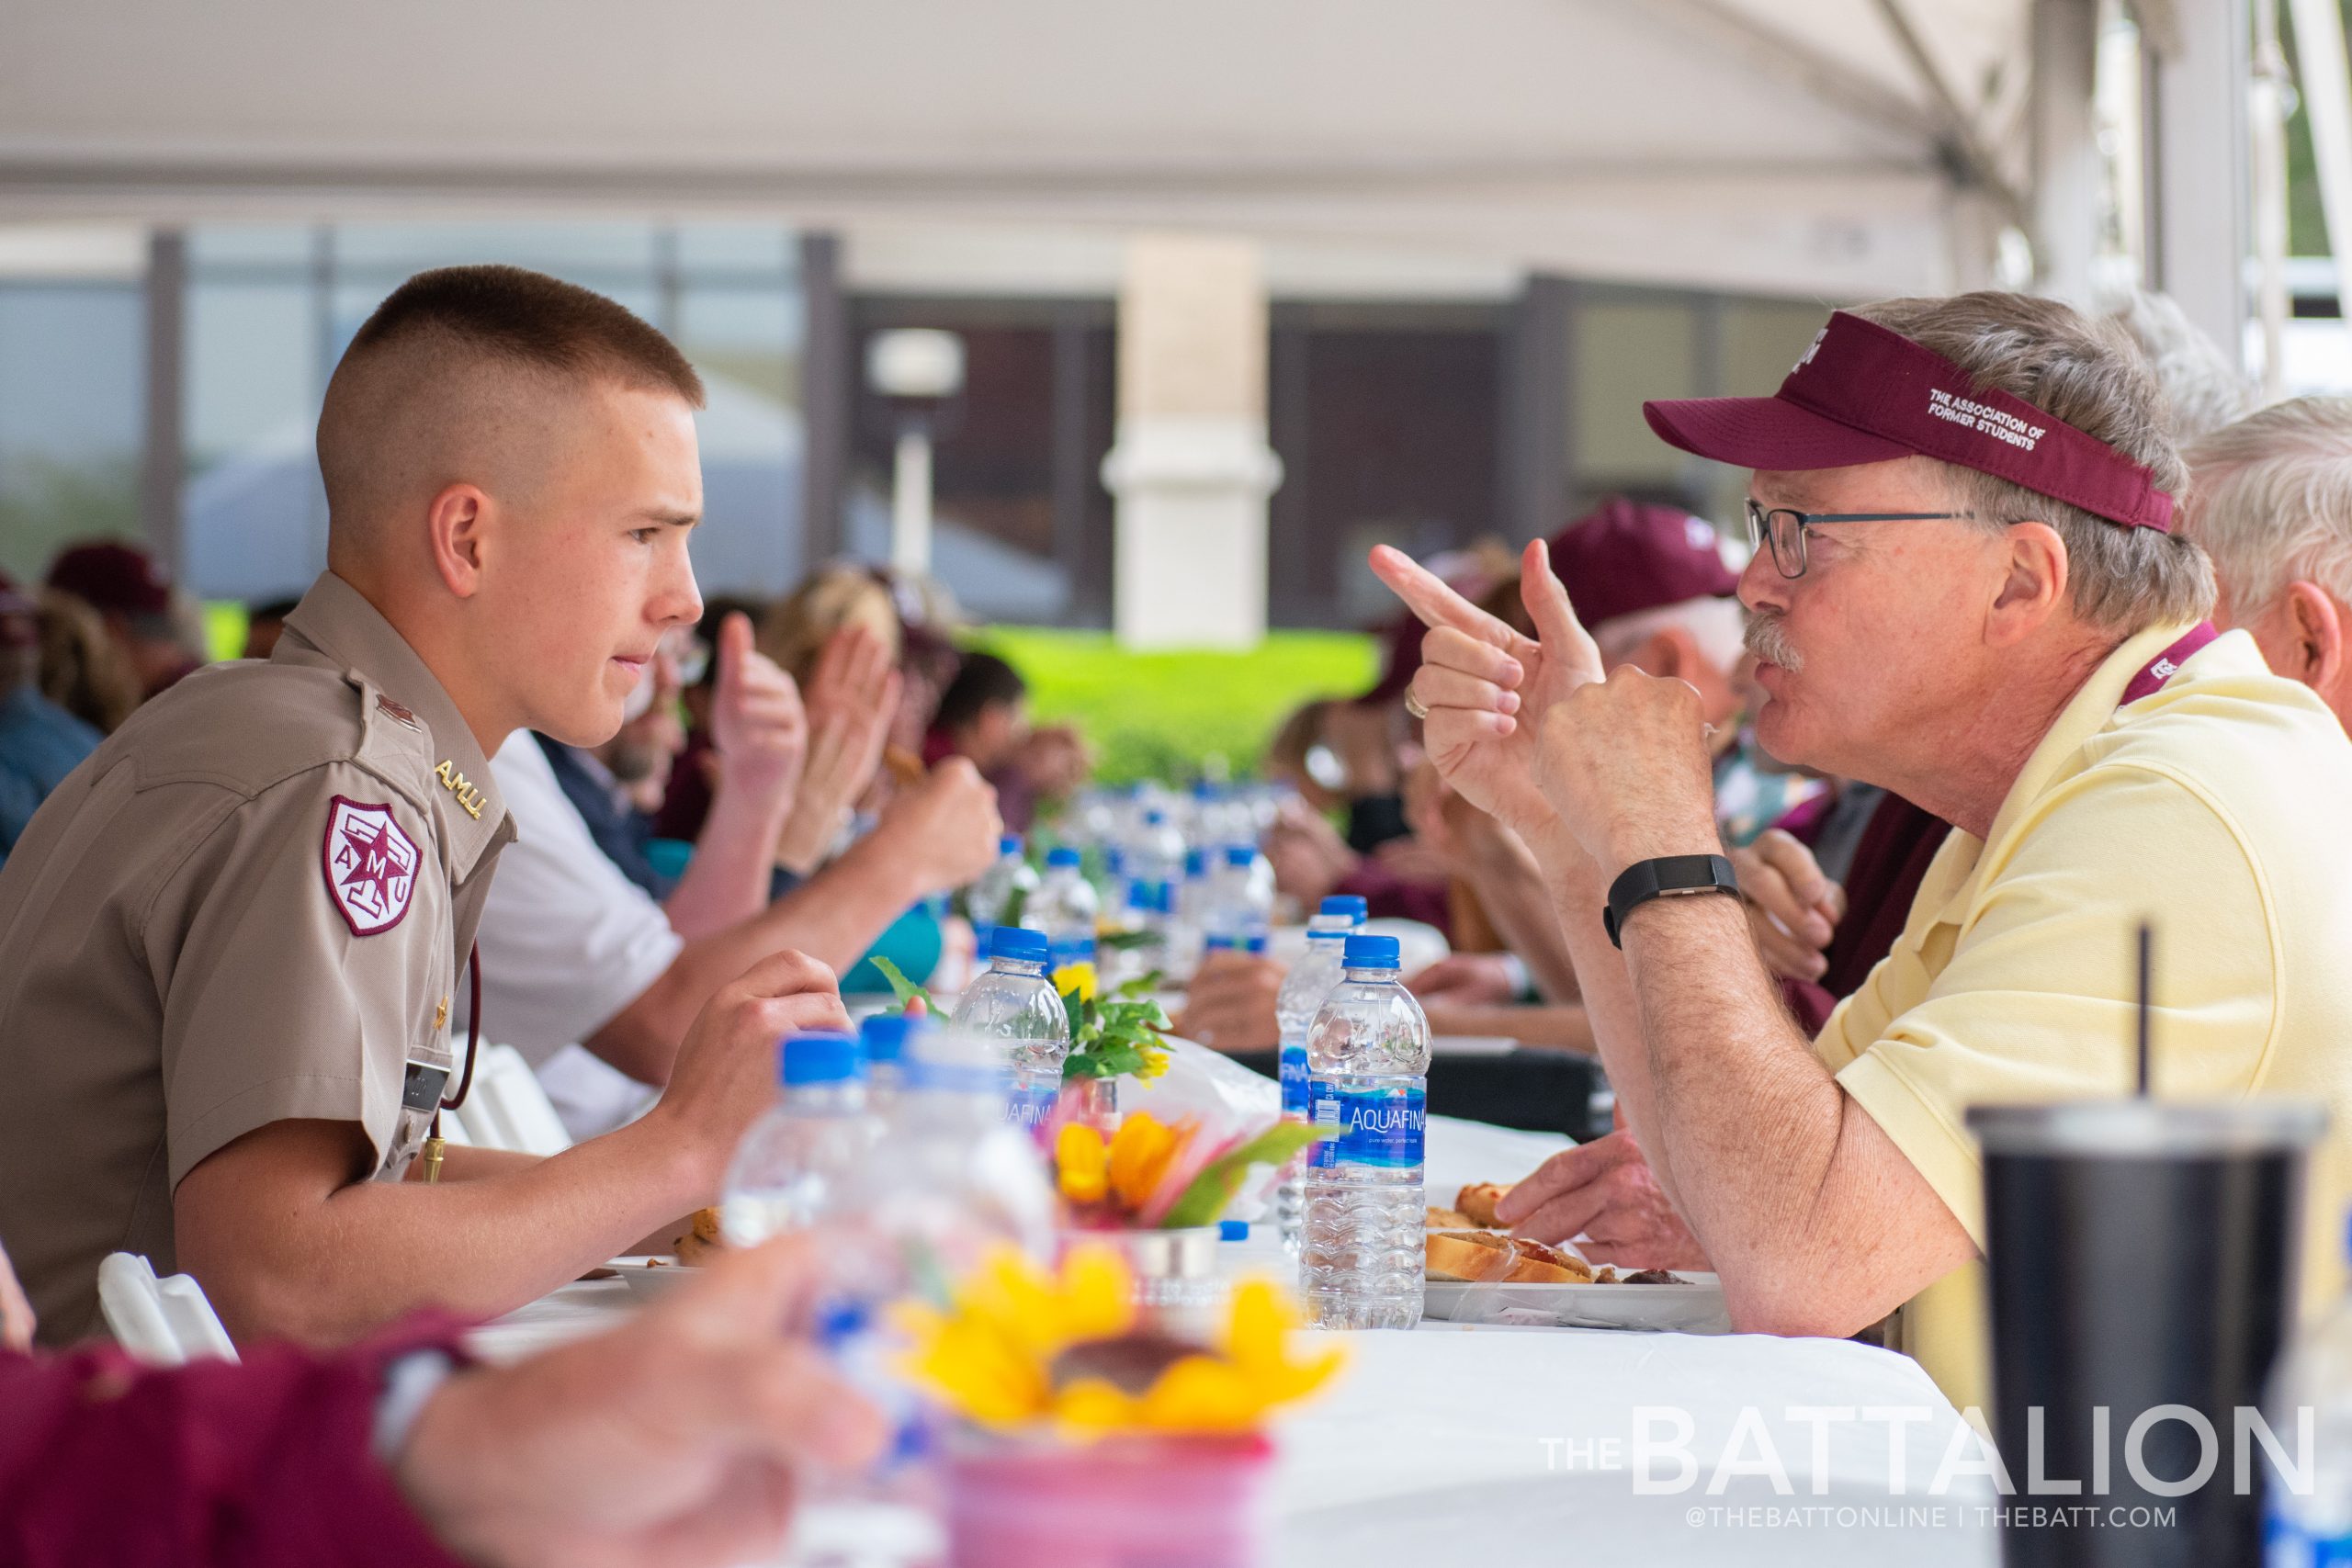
{"x":1807,"y":146}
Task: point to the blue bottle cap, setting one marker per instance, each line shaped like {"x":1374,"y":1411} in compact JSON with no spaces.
{"x":1349,"y":904}
{"x":822,"y":1056}
{"x":1155,"y":817}
{"x":1061,"y":854}
{"x":1241,"y":854}
{"x":1009,"y":845}
{"x":1233,"y":1230}
{"x":1370,"y":953}
{"x":884,"y":1035}
{"x":1030,"y":947}
{"x":1221,"y":944}
{"x":1196,"y":863}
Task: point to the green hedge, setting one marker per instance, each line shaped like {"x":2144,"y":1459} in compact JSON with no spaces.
{"x":1165,"y":714}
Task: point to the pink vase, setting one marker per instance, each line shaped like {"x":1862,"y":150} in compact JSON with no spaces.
{"x":1121,"y":1503}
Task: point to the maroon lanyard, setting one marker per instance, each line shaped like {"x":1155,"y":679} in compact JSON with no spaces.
{"x":2165,"y":665}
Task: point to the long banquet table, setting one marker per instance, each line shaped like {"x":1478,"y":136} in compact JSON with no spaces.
{"x":1472,"y":1444}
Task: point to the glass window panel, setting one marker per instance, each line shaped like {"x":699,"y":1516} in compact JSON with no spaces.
{"x":253,"y":515}
{"x":737,"y":248}
{"x":72,"y":405}
{"x":1626,"y":351}
{"x":567,"y":250}
{"x":251,"y":244}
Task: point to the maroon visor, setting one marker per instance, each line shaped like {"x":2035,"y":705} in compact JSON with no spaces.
{"x":1863,"y":394}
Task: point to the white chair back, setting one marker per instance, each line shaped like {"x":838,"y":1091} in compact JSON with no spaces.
{"x":508,"y":1109}
{"x":159,"y":1323}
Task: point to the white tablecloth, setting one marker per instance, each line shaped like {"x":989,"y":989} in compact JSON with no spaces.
{"x":1510,"y":1446}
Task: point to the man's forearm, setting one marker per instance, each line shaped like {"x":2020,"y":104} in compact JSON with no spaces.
{"x":727,"y":881}
{"x":328,"y":1271}
{"x":833,"y":918}
{"x":1512,"y":886}
{"x":1815,"y":1220}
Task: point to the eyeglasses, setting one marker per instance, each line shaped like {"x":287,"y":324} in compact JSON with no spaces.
{"x":1786,"y":529}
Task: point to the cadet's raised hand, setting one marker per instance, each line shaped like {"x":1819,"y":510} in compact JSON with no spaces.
{"x":1488,"y":688}
{"x":757,"y":727}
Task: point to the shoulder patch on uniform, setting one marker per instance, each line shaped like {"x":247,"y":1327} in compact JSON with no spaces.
{"x":370,"y":864}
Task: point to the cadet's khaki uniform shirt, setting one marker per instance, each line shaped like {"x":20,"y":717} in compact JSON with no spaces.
{"x":2214,"y":809}
{"x":253,"y":904}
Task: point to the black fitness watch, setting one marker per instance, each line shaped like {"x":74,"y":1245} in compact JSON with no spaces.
{"x":1668,"y":876}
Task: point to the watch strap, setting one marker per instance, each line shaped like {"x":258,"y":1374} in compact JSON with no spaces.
{"x":1666,"y":877}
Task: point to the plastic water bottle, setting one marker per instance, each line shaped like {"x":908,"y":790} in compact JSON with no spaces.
{"x":2307,"y":1515}
{"x":883,"y":1036}
{"x":1188,"y":920}
{"x":1016,"y":1010}
{"x":789,"y":1168}
{"x":1305,"y":989}
{"x":1063,"y":909}
{"x":946,"y":1180}
{"x":1242,"y":900}
{"x":1368,"y":1061}
{"x":991,"y":897}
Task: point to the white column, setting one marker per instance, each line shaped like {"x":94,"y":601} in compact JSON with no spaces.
{"x":910,"y":503}
{"x":2199,"y":150}
{"x":1190,"y":467}
{"x":2065,"y":148}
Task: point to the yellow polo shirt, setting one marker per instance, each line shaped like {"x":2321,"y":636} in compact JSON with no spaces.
{"x":2220,"y":808}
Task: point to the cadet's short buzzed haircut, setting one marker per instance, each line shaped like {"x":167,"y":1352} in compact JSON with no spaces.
{"x":498,"y":318}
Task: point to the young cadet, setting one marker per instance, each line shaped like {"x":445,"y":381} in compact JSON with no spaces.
{"x":232,"y":936}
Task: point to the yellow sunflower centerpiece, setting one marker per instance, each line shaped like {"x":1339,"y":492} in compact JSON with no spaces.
{"x":1019,"y":1350}
{"x":1083,"y":1429}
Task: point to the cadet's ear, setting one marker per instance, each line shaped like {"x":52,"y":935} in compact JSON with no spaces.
{"x":454,"y":533}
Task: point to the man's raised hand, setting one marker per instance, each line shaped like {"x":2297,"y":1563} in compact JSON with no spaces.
{"x":1487,"y":687}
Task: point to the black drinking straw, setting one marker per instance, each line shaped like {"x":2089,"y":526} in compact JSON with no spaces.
{"x":2144,"y":1009}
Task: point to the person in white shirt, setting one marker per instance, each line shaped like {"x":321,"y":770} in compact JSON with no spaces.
{"x":573,"y":952}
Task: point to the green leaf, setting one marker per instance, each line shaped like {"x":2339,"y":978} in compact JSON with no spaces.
{"x":904,"y":990}
{"x":1142,"y":984}
{"x":1204,"y":1202}
{"x":1122,"y":941}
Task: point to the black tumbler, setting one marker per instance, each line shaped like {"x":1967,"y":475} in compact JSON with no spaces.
{"x":2140,"y":1254}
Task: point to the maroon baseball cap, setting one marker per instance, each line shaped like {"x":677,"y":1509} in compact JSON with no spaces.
{"x":1629,"y":556}
{"x":110,"y":576}
{"x":1863,"y":394}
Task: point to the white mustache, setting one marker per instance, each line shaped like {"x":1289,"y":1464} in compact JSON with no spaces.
{"x":1768,"y":642}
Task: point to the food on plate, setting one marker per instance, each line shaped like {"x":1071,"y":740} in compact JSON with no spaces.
{"x":1489,"y":1256}
{"x":1464,"y":1244}
{"x":1477,"y":1203}
{"x":702,"y":1239}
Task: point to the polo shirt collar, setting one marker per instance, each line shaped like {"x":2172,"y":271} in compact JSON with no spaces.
{"x":1952,"y":879}
{"x":336,"y":624}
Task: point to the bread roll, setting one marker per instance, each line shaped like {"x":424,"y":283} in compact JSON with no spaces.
{"x":1486,"y":1255}
{"x":1478,"y":1201}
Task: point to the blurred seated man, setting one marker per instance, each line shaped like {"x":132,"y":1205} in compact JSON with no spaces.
{"x":676,"y":1436}
{"x":39,"y":742}
{"x":132,"y":594}
{"x":2272,"y":505}
{"x":984,"y":715}
{"x":1967,"y":592}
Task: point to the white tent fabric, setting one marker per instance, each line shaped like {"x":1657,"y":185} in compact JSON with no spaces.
{"x":1816,"y":147}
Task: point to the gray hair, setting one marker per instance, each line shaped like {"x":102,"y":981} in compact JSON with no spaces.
{"x":2204,"y":389}
{"x":1717,"y":625}
{"x":2121,"y":581}
{"x":2273,"y":501}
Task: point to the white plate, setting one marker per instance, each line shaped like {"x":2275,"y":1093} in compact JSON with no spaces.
{"x":1695,"y":1306}
{"x":650,"y":1277}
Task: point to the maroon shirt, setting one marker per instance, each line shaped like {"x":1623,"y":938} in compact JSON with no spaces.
{"x":1889,"y":863}
{"x":259,"y":1465}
